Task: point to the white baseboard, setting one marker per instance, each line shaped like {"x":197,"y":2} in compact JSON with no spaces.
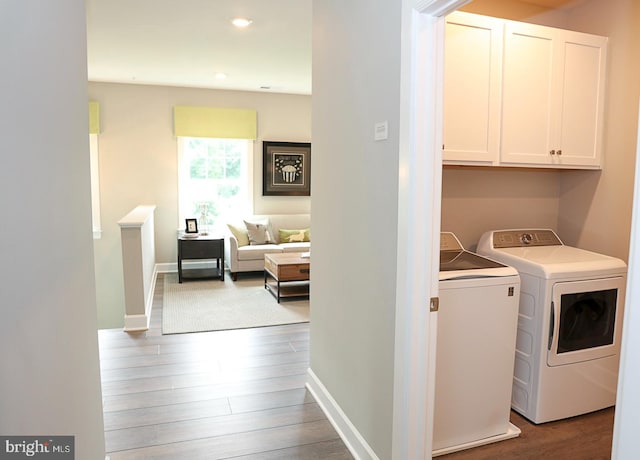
{"x":352,"y":438}
{"x":167,"y":268}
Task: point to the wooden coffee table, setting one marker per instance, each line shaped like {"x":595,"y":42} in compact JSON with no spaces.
{"x":286,"y":275}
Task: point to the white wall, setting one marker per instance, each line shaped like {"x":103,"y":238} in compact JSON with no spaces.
{"x":50,"y":381}
{"x":138,"y":165}
{"x":595,"y":211}
{"x":354,"y":209}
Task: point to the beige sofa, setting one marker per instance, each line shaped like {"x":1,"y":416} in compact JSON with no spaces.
{"x":243,"y":255}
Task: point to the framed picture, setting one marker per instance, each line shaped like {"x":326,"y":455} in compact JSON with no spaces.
{"x":191,"y":226}
{"x":286,"y":168}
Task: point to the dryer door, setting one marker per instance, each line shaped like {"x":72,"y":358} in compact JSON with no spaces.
{"x":585,"y":321}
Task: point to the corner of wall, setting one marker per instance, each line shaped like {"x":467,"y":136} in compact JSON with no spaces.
{"x":347,"y":431}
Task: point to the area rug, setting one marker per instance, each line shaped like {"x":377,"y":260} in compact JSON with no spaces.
{"x":214,"y":305}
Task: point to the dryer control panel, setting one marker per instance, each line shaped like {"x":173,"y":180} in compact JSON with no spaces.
{"x":523,"y":238}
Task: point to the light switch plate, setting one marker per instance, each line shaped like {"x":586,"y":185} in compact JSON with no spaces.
{"x":381,"y":131}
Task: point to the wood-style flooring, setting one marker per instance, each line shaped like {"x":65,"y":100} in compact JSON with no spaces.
{"x":214,"y":395}
{"x":587,"y":437}
{"x":240,"y":394}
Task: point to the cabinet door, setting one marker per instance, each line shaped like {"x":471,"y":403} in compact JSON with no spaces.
{"x":528,"y":94}
{"x":553,"y":97}
{"x":579,"y":117}
{"x":472,"y":68}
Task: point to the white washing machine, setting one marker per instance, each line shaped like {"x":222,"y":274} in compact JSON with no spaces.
{"x":477,"y":321}
{"x":569,"y":325}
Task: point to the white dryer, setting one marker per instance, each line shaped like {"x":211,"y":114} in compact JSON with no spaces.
{"x":569,"y":325}
{"x":475,"y":351}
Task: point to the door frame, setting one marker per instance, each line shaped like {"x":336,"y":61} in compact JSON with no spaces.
{"x":419,"y":203}
{"x":626,"y":442}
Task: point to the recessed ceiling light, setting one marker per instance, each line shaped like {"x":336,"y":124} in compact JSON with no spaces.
{"x":241,"y":22}
{"x":221,"y":75}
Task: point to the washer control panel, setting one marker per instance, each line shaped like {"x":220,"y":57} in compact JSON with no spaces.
{"x":523,"y":238}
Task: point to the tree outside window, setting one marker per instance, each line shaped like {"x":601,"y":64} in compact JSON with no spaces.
{"x":214,"y":185}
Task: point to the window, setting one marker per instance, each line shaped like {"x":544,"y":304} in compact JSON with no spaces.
{"x":215,"y":183}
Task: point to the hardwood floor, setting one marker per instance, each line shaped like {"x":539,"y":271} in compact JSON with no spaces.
{"x":215,"y":395}
{"x":240,"y":394}
{"x":587,"y":437}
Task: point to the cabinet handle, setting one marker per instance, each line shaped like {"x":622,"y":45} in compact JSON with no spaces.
{"x":559,"y":152}
{"x":552,"y":152}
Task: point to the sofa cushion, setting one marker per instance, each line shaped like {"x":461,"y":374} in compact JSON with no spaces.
{"x":295,"y":247}
{"x":257,"y":251}
{"x":292,"y":221}
{"x":294,"y":236}
{"x":258,"y":232}
{"x":239,"y":231}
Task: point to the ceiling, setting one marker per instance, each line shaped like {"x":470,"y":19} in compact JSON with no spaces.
{"x":187,"y":42}
{"x":553,"y":4}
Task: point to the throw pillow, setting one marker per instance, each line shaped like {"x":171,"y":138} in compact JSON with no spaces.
{"x":240,"y":232}
{"x":293,"y":236}
{"x":258,"y":233}
{"x":264,"y":221}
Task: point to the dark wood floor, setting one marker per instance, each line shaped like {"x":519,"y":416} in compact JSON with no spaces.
{"x":587,"y":437}
{"x":240,"y":394}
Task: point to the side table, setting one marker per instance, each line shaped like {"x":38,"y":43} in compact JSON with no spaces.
{"x":202,"y":247}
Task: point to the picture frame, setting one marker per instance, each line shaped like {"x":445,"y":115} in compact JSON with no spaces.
{"x":286,"y":168}
{"x":191,"y":226}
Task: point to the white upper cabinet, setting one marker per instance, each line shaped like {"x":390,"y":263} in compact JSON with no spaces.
{"x":553,"y":97}
{"x":550,"y":95}
{"x":529,"y":93}
{"x":472,"y":69}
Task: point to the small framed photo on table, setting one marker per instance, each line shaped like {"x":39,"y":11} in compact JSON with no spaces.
{"x":191,"y":226}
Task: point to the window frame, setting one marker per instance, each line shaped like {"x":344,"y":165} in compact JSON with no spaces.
{"x":183,"y":168}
